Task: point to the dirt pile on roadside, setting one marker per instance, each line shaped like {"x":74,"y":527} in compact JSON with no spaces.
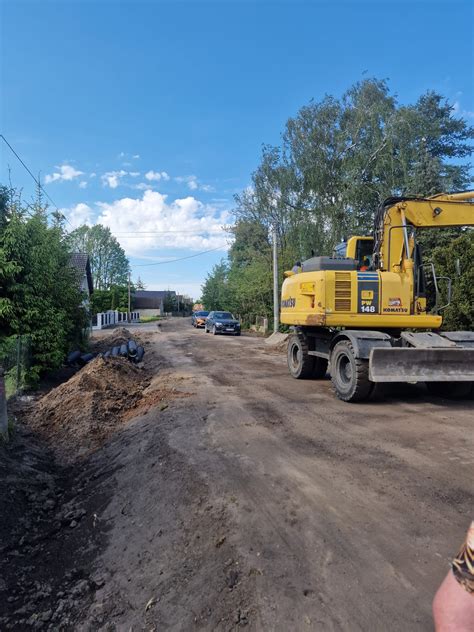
{"x":87,"y":408}
{"x":115,"y":338}
{"x":276,"y":343}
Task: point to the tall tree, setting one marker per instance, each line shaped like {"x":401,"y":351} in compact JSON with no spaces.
{"x":214,"y":290}
{"x":109,"y":264}
{"x":337,"y":161}
{"x":139,"y":285}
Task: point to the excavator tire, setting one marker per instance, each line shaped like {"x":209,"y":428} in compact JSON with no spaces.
{"x":300,"y":363}
{"x":450,"y":390}
{"x":349,"y":375}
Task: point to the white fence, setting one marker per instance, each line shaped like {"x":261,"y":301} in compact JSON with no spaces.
{"x":113,"y":317}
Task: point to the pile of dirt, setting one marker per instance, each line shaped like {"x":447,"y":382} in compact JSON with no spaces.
{"x":276,"y":342}
{"x":115,"y":338}
{"x":87,"y":408}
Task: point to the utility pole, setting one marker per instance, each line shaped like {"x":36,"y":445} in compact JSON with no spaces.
{"x":276,"y":299}
{"x":129,"y":301}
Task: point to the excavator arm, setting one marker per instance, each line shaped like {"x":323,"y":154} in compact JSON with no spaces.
{"x":393,"y":242}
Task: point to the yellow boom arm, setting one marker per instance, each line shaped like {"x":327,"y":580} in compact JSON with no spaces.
{"x":393,"y":240}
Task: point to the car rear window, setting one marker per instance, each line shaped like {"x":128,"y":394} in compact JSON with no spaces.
{"x":201,"y":314}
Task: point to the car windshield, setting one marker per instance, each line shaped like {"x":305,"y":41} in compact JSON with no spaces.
{"x":223,"y":315}
{"x":201,"y":313}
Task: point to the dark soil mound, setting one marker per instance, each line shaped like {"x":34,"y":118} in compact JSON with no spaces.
{"x":87,"y":408}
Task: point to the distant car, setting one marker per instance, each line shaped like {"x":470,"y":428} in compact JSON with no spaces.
{"x":198,"y":319}
{"x":222,"y":323}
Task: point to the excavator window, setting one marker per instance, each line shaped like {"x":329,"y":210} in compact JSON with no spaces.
{"x":364,"y":254}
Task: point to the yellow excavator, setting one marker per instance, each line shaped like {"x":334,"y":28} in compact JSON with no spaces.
{"x":364,"y":315}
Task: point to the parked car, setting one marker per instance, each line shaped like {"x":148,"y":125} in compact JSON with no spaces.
{"x":198,"y":319}
{"x":222,"y":323}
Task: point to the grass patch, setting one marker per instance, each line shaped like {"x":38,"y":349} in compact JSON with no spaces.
{"x":150,"y":319}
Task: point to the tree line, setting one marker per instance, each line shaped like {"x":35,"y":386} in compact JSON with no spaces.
{"x":338,"y":159}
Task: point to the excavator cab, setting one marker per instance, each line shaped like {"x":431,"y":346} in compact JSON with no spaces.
{"x":361,"y":249}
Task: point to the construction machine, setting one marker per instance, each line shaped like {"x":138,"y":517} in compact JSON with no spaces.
{"x":364,"y":315}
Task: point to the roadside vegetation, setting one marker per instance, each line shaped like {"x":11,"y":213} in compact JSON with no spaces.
{"x":40,"y":296}
{"x":150,"y":319}
{"x":337,"y":161}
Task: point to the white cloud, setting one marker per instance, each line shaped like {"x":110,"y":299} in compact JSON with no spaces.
{"x":125,"y":154}
{"x":82,"y":184}
{"x":142,"y":186}
{"x":459,"y":111}
{"x":156,"y":175}
{"x":112,"y":178}
{"x":65,"y":173}
{"x":79,"y":215}
{"x":189,"y":223}
{"x":193,"y":183}
{"x":134,"y":174}
{"x":92,"y":175}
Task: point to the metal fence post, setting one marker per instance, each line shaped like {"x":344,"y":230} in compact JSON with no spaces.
{"x":3,"y":408}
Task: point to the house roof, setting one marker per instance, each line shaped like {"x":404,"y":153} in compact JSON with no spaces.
{"x":81,"y":262}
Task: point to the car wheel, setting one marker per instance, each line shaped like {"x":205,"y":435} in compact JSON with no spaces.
{"x":205,"y":329}
{"x":214,"y":330}
{"x":237,"y":333}
{"x":349,"y":375}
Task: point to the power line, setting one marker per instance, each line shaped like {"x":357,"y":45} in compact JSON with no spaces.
{"x":37,"y":182}
{"x":160,"y":263}
{"x":179,"y":232}
{"x":153,"y":235}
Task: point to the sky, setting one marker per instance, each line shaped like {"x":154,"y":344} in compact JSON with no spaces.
{"x":148,"y":117}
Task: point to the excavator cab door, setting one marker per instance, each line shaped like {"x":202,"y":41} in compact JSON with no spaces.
{"x":361,"y":249}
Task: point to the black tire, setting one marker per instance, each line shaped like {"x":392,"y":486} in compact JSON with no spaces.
{"x":349,"y":375}
{"x":214,"y":331}
{"x":205,"y":329}
{"x":320,"y":368}
{"x":237,"y":333}
{"x":450,"y":390}
{"x":300,"y":364}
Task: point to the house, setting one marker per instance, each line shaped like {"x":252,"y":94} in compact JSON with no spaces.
{"x":151,"y":302}
{"x":82,"y":264}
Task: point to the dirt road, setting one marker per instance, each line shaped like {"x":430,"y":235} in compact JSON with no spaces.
{"x":245,"y":498}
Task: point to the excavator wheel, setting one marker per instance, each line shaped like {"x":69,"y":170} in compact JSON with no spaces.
{"x":349,"y":375}
{"x":450,"y":390}
{"x":300,"y":363}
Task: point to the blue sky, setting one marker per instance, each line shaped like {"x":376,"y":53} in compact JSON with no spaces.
{"x":149,"y":116}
